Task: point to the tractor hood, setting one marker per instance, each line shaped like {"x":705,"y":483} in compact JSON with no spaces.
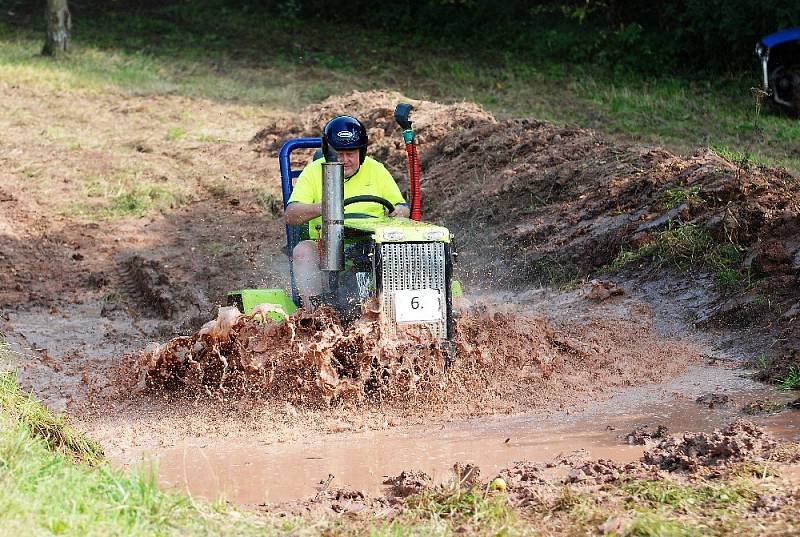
{"x":389,"y":229}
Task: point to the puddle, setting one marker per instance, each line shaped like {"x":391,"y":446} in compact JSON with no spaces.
{"x":258,"y":473}
{"x":253,"y":473}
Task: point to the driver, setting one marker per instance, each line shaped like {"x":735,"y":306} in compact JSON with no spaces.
{"x":344,"y":138}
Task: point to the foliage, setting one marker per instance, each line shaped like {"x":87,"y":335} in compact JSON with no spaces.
{"x":686,"y":246}
{"x":120,"y":197}
{"x":792,"y":379}
{"x":674,"y":196}
{"x":646,"y":37}
{"x":52,"y":429}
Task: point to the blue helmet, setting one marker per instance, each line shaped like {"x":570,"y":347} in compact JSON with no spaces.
{"x":342,"y":133}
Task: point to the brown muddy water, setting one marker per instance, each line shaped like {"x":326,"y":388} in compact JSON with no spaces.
{"x":256,"y":473}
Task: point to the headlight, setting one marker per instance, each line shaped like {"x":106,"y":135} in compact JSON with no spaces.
{"x":392,"y":235}
{"x":434,"y":235}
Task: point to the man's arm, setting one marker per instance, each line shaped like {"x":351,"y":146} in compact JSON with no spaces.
{"x":300,"y":213}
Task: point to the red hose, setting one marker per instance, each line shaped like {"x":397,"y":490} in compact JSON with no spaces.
{"x":414,"y":190}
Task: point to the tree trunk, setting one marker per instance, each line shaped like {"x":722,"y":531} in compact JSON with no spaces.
{"x":59,"y":26}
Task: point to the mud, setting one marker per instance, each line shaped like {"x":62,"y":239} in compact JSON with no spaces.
{"x":738,"y":442}
{"x":643,"y":434}
{"x":83,"y":295}
{"x":527,"y":450}
{"x":431,"y":121}
{"x":314,"y":360}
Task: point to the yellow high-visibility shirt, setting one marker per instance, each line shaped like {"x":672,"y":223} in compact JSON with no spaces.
{"x":372,"y":178}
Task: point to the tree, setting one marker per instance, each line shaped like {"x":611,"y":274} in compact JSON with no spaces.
{"x":59,"y":26}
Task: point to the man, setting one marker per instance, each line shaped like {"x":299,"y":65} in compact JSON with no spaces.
{"x":345,"y":139}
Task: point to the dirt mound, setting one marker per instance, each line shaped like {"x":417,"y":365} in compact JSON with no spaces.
{"x":431,"y":121}
{"x":738,"y":442}
{"x":570,"y":196}
{"x":563,"y":203}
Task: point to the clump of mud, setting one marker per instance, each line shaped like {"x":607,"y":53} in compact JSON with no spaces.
{"x":599,"y":471}
{"x":431,"y":121}
{"x":738,"y":442}
{"x":408,"y":483}
{"x":642,"y":434}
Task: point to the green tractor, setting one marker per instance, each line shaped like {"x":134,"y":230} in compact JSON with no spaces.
{"x":402,"y":266}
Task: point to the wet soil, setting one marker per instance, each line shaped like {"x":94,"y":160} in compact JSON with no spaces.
{"x":89,"y":302}
{"x":247,"y":472}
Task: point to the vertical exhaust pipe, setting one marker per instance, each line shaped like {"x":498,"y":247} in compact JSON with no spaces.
{"x":332,"y":217}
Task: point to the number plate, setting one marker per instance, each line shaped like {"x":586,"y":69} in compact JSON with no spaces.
{"x":416,"y":305}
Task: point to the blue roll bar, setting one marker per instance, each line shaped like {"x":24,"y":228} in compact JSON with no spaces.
{"x":287,"y":175}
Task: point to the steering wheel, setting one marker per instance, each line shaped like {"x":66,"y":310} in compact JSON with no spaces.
{"x":373,"y":199}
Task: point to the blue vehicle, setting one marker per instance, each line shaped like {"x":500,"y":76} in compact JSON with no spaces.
{"x":780,"y":67}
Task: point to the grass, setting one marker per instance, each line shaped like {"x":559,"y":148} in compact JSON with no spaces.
{"x":221,"y":55}
{"x":125,"y":196}
{"x":55,"y":481}
{"x":664,"y":507}
{"x":792,"y":379}
{"x":53,"y":430}
{"x":686,"y":246}
{"x":674,"y":196}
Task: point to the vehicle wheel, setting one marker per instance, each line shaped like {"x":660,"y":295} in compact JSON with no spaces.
{"x":793,"y":74}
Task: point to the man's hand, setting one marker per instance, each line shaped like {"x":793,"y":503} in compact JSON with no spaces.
{"x":300,"y":213}
{"x":401,"y":211}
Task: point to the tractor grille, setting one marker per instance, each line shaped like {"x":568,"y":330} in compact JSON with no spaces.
{"x":414,"y":266}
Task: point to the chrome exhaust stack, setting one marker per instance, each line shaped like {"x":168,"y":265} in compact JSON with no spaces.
{"x":332,"y":217}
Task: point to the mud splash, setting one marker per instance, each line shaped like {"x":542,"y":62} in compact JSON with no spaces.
{"x":315,"y":361}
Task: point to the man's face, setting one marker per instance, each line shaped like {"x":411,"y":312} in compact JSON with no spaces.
{"x":351,"y":160}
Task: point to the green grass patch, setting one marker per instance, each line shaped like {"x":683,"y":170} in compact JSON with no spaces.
{"x":791,"y":380}
{"x":674,"y":196}
{"x":685,"y":498}
{"x":687,"y":246}
{"x":56,"y":434}
{"x":124,"y":197}
{"x":176,"y":133}
{"x":440,"y":512}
